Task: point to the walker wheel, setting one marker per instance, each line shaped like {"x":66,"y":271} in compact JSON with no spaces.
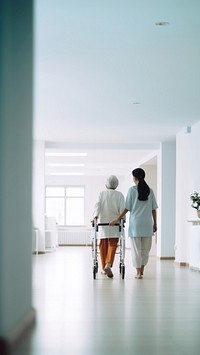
{"x":94,"y":272}
{"x":123,"y":271}
{"x":120,"y":267}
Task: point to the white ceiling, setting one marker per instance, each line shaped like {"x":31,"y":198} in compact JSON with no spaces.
{"x":108,"y":77}
{"x":97,"y":162}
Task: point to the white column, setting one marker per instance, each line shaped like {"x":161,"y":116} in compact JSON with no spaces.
{"x":166,"y":199}
{"x":39,"y":192}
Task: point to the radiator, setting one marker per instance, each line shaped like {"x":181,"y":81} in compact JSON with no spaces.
{"x":74,"y":237}
{"x":35,"y":240}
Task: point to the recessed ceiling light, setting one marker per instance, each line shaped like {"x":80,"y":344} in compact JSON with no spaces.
{"x":162,"y":23}
{"x":136,"y":103}
{"x":68,"y":174}
{"x":57,"y":164}
{"x":55,"y":154}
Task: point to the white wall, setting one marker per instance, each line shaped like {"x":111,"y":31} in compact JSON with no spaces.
{"x":151,"y":176}
{"x":187,"y":181}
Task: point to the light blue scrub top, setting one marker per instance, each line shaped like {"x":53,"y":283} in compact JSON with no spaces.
{"x":140,"y":219}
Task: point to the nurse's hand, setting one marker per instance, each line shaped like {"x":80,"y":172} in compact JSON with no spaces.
{"x":112,"y":223}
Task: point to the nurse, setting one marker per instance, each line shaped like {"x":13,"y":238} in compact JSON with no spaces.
{"x":142,"y":205}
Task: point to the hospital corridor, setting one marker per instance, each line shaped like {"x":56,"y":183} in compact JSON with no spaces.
{"x":90,"y":90}
{"x":77,"y":315}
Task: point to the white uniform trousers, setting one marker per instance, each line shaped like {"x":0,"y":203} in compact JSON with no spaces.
{"x":140,"y":248}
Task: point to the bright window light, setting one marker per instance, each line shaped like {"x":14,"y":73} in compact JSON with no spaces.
{"x":66,"y":203}
{"x":55,"y":191}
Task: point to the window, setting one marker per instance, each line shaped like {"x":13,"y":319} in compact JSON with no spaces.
{"x":66,"y":203}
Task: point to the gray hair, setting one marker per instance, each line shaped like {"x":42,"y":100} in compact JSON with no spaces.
{"x":112,"y":182}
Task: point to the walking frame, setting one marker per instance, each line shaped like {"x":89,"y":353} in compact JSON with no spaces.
{"x":120,"y":247}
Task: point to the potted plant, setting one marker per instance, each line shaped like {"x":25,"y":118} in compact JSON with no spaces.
{"x":195,"y":198}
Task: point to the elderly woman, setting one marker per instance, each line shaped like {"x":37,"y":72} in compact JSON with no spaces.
{"x":108,"y":207}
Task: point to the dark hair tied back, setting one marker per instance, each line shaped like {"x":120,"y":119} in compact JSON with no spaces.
{"x":142,"y":187}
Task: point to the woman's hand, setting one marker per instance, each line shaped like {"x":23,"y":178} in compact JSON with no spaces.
{"x":94,"y":221}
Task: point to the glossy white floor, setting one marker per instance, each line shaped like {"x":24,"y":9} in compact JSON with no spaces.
{"x":77,"y":315}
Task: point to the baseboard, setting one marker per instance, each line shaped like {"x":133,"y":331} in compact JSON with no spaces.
{"x":194,"y":268}
{"x":166,"y":257}
{"x":181,"y":263}
{"x":17,"y":332}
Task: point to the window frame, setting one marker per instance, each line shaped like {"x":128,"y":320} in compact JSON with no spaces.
{"x":65,"y":201}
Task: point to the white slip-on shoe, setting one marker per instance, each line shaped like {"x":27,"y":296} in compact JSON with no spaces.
{"x":108,"y":270}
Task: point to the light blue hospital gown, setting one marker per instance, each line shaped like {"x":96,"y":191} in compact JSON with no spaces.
{"x":140,"y":219}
